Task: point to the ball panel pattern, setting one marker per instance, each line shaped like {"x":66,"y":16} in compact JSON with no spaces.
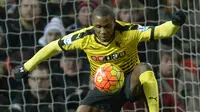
{"x":109,"y":78}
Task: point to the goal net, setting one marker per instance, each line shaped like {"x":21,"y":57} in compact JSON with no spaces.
{"x":28,"y":25}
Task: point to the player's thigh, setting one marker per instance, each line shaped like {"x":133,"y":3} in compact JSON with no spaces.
{"x":129,"y":94}
{"x":133,"y":88}
{"x":85,"y":108}
{"x":139,"y":69}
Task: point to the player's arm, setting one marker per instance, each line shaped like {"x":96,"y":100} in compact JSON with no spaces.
{"x":46,"y":52}
{"x":68,"y":42}
{"x":164,"y":30}
{"x":43,"y":54}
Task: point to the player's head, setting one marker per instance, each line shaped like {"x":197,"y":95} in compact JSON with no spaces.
{"x":103,"y":20}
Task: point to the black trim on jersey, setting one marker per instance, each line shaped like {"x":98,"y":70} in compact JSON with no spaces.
{"x":152,"y":33}
{"x":61,"y":43}
{"x":83,"y":34}
{"x":74,"y":37}
{"x":129,"y":70}
{"x":88,"y":32}
{"x":125,"y":28}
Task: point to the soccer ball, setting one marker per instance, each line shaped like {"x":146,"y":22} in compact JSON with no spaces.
{"x":109,"y":78}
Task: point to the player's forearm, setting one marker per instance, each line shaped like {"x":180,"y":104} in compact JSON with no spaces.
{"x":43,"y":54}
{"x":165,"y":30}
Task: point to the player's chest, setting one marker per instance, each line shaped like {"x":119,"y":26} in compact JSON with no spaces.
{"x":117,"y":45}
{"x":115,"y":50}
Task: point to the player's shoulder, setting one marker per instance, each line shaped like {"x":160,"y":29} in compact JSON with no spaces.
{"x":123,"y":26}
{"x":82,"y":34}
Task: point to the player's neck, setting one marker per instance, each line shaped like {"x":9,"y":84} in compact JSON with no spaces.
{"x":107,"y":42}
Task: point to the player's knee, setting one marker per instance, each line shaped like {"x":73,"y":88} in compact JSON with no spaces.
{"x":139,"y":69}
{"x":146,"y":73}
{"x":136,"y":85}
{"x":145,"y":67}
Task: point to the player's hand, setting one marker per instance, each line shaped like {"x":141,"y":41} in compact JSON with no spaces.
{"x":20,"y":72}
{"x":178,"y":18}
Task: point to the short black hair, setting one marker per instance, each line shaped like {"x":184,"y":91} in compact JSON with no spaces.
{"x":103,"y":10}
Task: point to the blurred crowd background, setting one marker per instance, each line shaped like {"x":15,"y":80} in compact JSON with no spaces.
{"x":59,"y":83}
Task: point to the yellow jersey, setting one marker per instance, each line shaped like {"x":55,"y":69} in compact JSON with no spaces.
{"x":121,"y":50}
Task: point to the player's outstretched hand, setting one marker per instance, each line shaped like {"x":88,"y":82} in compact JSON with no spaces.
{"x":178,"y":18}
{"x":20,"y":72}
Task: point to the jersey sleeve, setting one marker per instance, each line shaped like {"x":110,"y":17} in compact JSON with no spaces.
{"x":71,"y":41}
{"x":46,"y":52}
{"x":164,"y":30}
{"x":144,"y":33}
{"x":75,"y":40}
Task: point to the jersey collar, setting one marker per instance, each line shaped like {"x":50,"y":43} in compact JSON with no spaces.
{"x":104,"y":43}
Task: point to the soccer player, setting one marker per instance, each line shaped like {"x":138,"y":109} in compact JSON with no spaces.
{"x":112,"y":41}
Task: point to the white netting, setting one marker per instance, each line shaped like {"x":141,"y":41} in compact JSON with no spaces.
{"x":20,"y":39}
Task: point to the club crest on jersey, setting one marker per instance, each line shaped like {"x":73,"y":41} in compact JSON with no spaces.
{"x":142,"y":28}
{"x":68,"y":40}
{"x":118,"y":44}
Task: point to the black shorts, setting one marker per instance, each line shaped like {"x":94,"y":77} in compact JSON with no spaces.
{"x":110,"y":102}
